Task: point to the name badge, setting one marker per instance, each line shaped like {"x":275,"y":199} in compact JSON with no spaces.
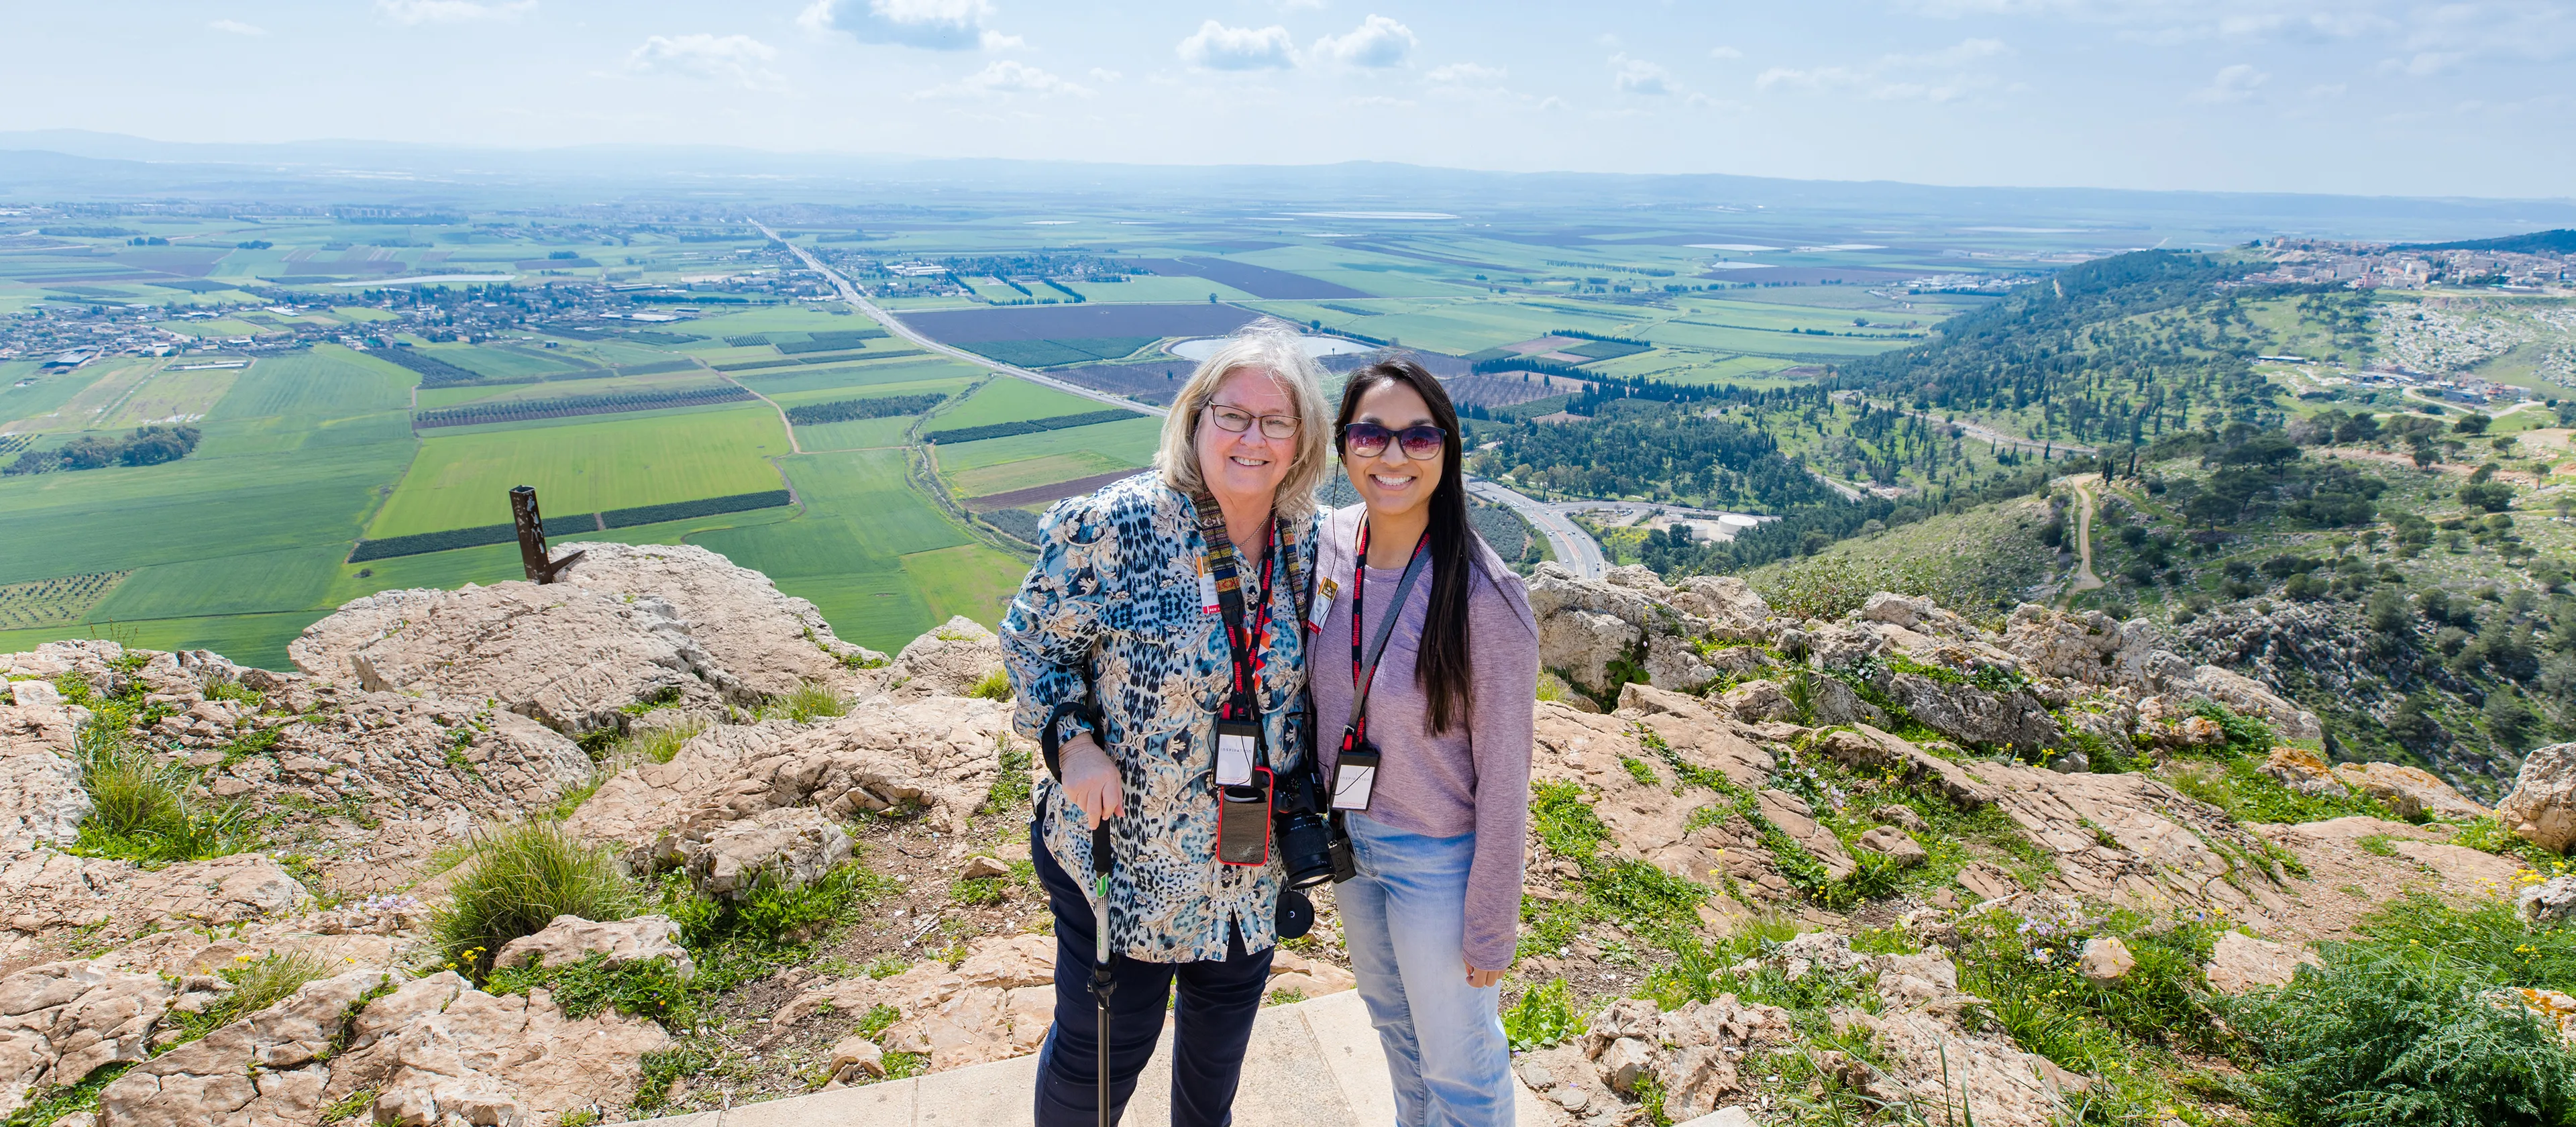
{"x":1354,"y":778}
{"x":1325,"y":593}
{"x":1237,"y":743}
{"x":1207,"y":592}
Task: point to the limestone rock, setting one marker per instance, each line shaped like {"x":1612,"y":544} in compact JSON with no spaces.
{"x":1791,"y":814}
{"x":571,"y":939}
{"x":61,"y":1020}
{"x":948,"y":661}
{"x":941,"y":754}
{"x":1732,"y":608}
{"x":767,"y":641}
{"x":997,"y":1004}
{"x":1895,"y":845}
{"x":854,"y":1056}
{"x":2541,"y":808}
{"x":2410,"y":792}
{"x":2549,"y":901}
{"x":436,"y":1048}
{"x":568,"y":656}
{"x":1292,"y":973}
{"x":1756,"y":701}
{"x":41,"y":800}
{"x":31,"y":693}
{"x":794,"y":846}
{"x":2303,"y":771}
{"x":2106,"y":959}
{"x":979,"y":867}
{"x":49,"y":891}
{"x":2239,"y":962}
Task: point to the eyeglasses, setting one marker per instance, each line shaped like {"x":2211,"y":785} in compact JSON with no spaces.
{"x":1368,"y":440}
{"x":1238,"y":421}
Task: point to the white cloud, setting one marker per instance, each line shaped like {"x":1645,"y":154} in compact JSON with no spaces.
{"x":1378,"y":42}
{"x":2231,"y":84}
{"x":1104,"y":75}
{"x":1943,"y":75}
{"x":738,"y":60}
{"x":1637,"y":76}
{"x":412,"y":13}
{"x":1467,"y":74}
{"x":2329,"y":90}
{"x":1724,"y":53}
{"x":935,"y":25}
{"x":237,"y":27}
{"x":1011,"y":78}
{"x":1218,"y":47}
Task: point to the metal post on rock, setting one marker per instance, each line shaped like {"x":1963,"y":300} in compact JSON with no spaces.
{"x":532,"y":538}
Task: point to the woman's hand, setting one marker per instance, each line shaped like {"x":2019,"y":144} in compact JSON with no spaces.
{"x":1090,"y":780}
{"x":1480,"y":979}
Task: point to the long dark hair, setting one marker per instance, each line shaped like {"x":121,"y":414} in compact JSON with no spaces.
{"x":1441,"y":668}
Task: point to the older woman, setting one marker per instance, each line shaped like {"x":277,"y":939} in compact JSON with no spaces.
{"x":1168,"y":602}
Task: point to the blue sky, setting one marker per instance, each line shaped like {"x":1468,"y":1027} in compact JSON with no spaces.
{"x":2353,"y":96}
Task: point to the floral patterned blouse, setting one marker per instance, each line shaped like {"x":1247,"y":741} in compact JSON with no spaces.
{"x":1116,"y":594}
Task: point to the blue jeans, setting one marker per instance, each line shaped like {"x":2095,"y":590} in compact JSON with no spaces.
{"x":1211,"y":1025}
{"x":1404,"y":918}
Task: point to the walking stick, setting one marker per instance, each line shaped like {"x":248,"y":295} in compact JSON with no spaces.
{"x":1102,"y":985}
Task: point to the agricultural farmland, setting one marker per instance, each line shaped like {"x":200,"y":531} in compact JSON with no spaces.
{"x":347,"y":394}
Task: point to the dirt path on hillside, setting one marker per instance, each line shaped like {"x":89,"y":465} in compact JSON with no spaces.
{"x":2085,"y":580}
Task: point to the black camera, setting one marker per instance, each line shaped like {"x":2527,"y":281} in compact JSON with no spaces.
{"x":1312,"y":849}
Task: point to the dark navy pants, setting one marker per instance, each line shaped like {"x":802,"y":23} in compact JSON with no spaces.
{"x":1211,"y":1024}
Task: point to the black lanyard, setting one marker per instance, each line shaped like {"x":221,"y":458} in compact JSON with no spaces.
{"x":1243,"y":643}
{"x":1364,"y":672}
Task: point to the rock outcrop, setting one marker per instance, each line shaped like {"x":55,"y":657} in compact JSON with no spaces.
{"x":939,"y":755}
{"x":2541,"y":808}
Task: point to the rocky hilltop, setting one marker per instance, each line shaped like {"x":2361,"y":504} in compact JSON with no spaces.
{"x":654,"y":839}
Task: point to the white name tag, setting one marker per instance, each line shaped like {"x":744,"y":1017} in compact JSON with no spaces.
{"x":1233,"y":759}
{"x":1351,"y":786}
{"x":1207,"y":592}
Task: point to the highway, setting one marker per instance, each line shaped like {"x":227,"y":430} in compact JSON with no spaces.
{"x":859,"y":301}
{"x":1573,"y":547}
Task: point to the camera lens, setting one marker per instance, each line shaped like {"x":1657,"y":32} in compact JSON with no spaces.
{"x":1296,"y":914}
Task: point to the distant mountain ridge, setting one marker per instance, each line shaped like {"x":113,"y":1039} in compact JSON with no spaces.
{"x":79,"y":164}
{"x":2561,"y":241}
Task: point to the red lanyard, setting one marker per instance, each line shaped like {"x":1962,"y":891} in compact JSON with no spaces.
{"x":1364,"y":673}
{"x":1246,"y":645}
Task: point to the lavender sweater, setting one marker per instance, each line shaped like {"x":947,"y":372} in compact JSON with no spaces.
{"x":1473,"y":778}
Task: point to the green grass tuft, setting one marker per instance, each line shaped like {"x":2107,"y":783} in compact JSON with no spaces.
{"x":517,"y":880}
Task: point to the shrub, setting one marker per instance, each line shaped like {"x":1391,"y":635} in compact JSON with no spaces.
{"x":996,"y":685}
{"x":257,"y":984}
{"x":2406,"y":1037}
{"x":519,"y":878}
{"x":140,"y":810}
{"x":1543,"y":1017}
{"x":641,"y":987}
{"x":806,"y":703}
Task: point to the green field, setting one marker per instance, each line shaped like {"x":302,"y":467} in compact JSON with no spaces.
{"x":1008,"y":400}
{"x":461,"y":481}
{"x":1006,"y":476}
{"x":1131,"y":443}
{"x":851,"y":552}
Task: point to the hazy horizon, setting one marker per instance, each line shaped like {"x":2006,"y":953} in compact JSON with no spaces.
{"x":2383,"y":98}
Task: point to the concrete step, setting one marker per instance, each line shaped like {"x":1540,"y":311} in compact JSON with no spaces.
{"x":1292,"y":1047}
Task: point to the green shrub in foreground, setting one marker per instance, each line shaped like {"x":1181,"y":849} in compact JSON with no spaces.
{"x":140,"y":810}
{"x":641,"y":988}
{"x":2406,"y":1038}
{"x":517,"y":879}
{"x":1543,"y":1017}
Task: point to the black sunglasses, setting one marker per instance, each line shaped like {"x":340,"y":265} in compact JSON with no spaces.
{"x":1368,"y":440}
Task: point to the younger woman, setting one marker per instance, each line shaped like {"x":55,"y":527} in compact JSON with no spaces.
{"x":1408,"y":588}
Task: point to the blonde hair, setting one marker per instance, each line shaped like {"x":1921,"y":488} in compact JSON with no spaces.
{"x":1268,"y":346}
